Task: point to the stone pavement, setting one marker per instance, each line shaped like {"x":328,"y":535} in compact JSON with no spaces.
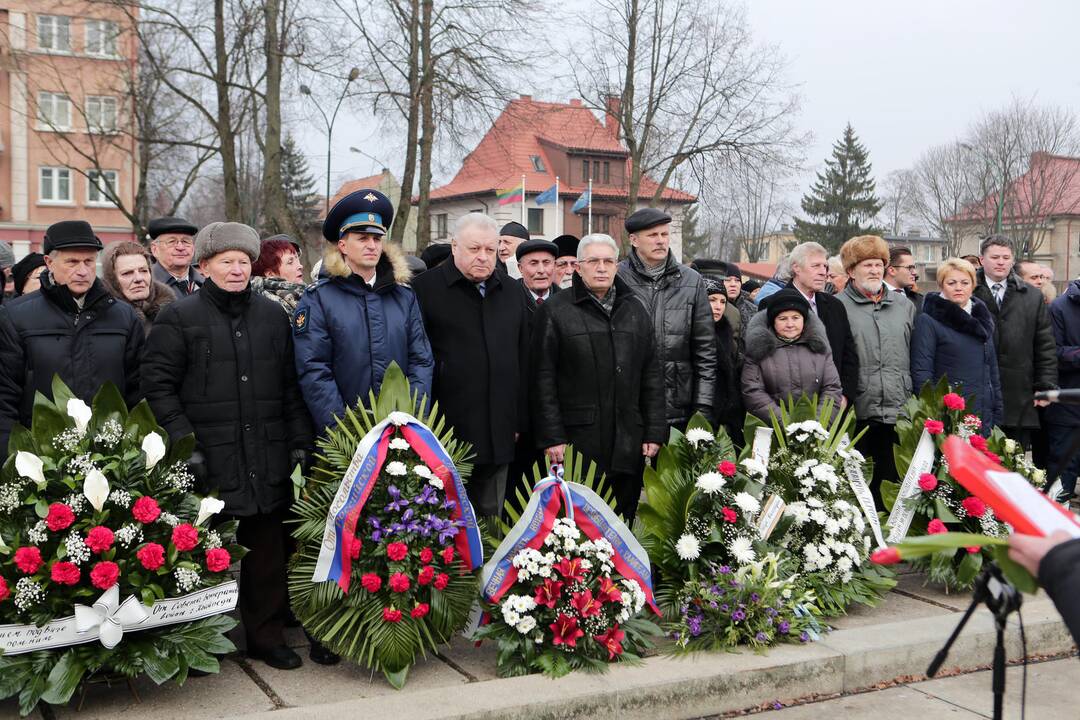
{"x":893,"y":642}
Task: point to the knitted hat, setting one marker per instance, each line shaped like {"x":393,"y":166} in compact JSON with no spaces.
{"x":219,"y":237}
{"x":784,"y":300}
{"x":714,"y":287}
{"x":863,"y":247}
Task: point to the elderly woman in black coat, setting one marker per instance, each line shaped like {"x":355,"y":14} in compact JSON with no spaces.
{"x":954,"y":337}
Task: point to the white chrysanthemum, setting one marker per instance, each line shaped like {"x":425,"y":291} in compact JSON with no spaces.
{"x":435,"y":482}
{"x":798,"y":511}
{"x":1010,"y":446}
{"x":423,"y":471}
{"x":710,"y":483}
{"x":814,"y":502}
{"x":688,"y":547}
{"x":397,"y":469}
{"x":698,"y":435}
{"x":747,"y":503}
{"x":510,"y":616}
{"x":526,"y":625}
{"x":818,"y":516}
{"x":399,"y":443}
{"x":566,"y":528}
{"x":743,"y":550}
{"x":753,"y":467}
{"x":832,"y":527}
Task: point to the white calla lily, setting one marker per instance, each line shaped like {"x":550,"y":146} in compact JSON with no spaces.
{"x":154,"y":447}
{"x":209,"y":506}
{"x":80,"y":412}
{"x":29,"y":466}
{"x":96,"y":488}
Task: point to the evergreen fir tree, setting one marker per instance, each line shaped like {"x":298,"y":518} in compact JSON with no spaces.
{"x":300,"y":192}
{"x":841,"y":203}
{"x":695,"y":243}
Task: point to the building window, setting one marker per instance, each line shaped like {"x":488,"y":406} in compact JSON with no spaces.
{"x":101,"y":187}
{"x":536,"y":221}
{"x":55,"y":185}
{"x":54,"y":33}
{"x":100,"y":114}
{"x":538,"y":163}
{"x":600,"y":224}
{"x":54,"y":111}
{"x":596,"y":171}
{"x":442,"y":222}
{"x":101,"y":37}
{"x":607,"y":171}
{"x":585,"y":170}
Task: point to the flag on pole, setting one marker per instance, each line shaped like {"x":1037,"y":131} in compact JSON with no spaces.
{"x":583,"y":202}
{"x":511,"y":195}
{"x":548,"y":195}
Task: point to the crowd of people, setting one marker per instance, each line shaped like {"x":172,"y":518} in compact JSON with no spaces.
{"x":527,"y":345}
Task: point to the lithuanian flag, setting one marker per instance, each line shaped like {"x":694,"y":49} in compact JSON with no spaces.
{"x":511,"y":195}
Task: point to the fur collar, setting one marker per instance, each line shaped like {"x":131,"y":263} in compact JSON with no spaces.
{"x":979,"y":323}
{"x":762,"y":342}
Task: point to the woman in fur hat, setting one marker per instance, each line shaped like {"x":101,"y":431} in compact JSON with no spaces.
{"x":127,"y":275}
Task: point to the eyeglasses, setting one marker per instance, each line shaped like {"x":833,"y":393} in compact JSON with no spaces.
{"x":909,"y":268}
{"x":176,"y":242}
{"x":602,"y":262}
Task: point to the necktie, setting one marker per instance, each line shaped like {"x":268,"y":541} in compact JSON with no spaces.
{"x":482,"y":288}
{"x":539,"y":301}
{"x":999,"y":292}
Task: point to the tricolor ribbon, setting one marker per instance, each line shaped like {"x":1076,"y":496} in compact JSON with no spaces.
{"x":335,"y":559}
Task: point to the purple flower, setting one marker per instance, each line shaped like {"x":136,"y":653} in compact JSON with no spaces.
{"x":771,"y":612}
{"x":761,"y":637}
{"x":777,"y":705}
{"x":713,"y":604}
{"x":724,"y":570}
{"x":784,"y":627}
{"x":755,"y":598}
{"x":396,"y":501}
{"x":693,"y":624}
{"x":715,"y":590}
{"x":427,"y":496}
{"x":738,"y":616}
{"x":377,"y":532}
{"x":724,"y":607}
{"x":736,"y":584}
{"x":804,"y":637}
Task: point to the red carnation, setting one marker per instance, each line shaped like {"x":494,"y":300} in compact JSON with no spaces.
{"x":151,"y":556}
{"x":974,"y":506}
{"x":729,"y":514}
{"x":928,"y":482}
{"x":99,"y":539}
{"x":566,"y":631}
{"x":420,"y":611}
{"x":397,"y":551}
{"x":936,"y":527}
{"x":726,"y":468}
{"x":934,"y":427}
{"x":441,"y":581}
{"x":65,"y":573}
{"x":612,"y":641}
{"x":978,"y":442}
{"x":426,"y":575}
{"x":447,"y":554}
{"x":146,"y":510}
{"x":993,"y":457}
{"x":104,"y":575}
{"x":426,"y":555}
{"x":185,"y":537}
{"x":399,"y":582}
{"x":60,"y":517}
{"x":28,"y":560}
{"x":371,"y":582}
{"x":973,"y":549}
{"x":954,"y":401}
{"x":355,"y":546}
{"x":885,"y":556}
{"x":549,"y":593}
{"x":5,"y":592}
{"x":391,"y":615}
{"x":218,"y":559}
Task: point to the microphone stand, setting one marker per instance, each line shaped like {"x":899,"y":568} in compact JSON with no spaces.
{"x":1002,"y":599}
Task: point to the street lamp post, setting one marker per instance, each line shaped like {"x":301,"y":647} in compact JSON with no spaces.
{"x":305,"y":90}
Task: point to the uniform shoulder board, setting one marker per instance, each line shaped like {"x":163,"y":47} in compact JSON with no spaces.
{"x":317,"y":283}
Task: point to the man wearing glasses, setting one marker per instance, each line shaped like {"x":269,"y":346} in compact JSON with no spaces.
{"x":901,"y":275}
{"x":172,"y":243}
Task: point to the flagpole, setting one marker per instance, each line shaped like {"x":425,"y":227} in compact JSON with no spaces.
{"x":590,"y":206}
{"x":557,"y":233}
{"x":523,"y":201}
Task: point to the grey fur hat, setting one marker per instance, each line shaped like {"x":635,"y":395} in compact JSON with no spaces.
{"x":219,"y":237}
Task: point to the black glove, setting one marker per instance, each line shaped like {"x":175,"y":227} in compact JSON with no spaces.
{"x":300,"y":457}
{"x":197,"y":465}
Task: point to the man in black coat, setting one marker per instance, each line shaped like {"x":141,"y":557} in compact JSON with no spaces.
{"x":72,"y":328}
{"x":902,"y":275}
{"x":475,"y":320}
{"x":219,"y":364}
{"x":596,"y":380}
{"x":172,"y":243}
{"x":682,"y":319}
{"x":809,"y":273}
{"x":1027,"y":354}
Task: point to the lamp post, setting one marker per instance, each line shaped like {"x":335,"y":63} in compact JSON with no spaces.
{"x":305,"y":90}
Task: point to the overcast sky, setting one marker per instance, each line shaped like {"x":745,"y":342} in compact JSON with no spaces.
{"x":907,"y":74}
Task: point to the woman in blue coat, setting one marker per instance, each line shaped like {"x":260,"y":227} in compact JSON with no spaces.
{"x":360,"y":316}
{"x":954,"y":337}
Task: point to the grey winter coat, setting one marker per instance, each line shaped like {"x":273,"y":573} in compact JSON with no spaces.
{"x":882,"y":333}
{"x":775,"y":369}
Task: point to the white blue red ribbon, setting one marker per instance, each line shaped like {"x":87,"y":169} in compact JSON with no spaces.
{"x":335,"y":559}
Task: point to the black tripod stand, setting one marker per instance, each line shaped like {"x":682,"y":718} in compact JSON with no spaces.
{"x":1001,"y":598}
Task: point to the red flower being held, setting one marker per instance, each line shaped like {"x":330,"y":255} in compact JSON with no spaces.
{"x":420,"y":611}
{"x":549,"y":593}
{"x":936,"y":527}
{"x":426,"y":575}
{"x":571,"y":570}
{"x":399,"y":582}
{"x":391,"y":615}
{"x":60,"y":517}
{"x":99,"y":539}
{"x":151,"y":556}
{"x":185,"y":537}
{"x":585,"y":604}
{"x":885,"y":556}
{"x":934,"y":427}
{"x":928,"y":482}
{"x":104,"y":575}
{"x":5,"y":592}
{"x":28,"y":560}
{"x":566,"y":631}
{"x":726,"y":468}
{"x":65,"y":573}
{"x":371,"y":582}
{"x":218,"y":560}
{"x":954,"y":401}
{"x":612,"y":640}
{"x":608,"y":591}
{"x":729,"y":514}
{"x":447,"y":554}
{"x":397,"y":551}
{"x":426,"y":556}
{"x":441,"y":581}
{"x":974,"y":506}
{"x":146,"y":510}
{"x":978,"y":442}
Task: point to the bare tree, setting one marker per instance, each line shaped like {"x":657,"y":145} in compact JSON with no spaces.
{"x":751,"y":200}
{"x":943,"y":188}
{"x":898,"y":197}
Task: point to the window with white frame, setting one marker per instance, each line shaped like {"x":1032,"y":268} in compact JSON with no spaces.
{"x":101,"y":37}
{"x":100,"y":114}
{"x":101,"y":187}
{"x":54,"y":33}
{"x":54,"y":111}
{"x":54,"y":185}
